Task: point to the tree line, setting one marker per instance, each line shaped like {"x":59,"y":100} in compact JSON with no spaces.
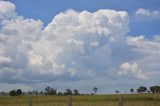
{"x":143,"y":89}
{"x":52,"y":91}
{"x":49,"y":91}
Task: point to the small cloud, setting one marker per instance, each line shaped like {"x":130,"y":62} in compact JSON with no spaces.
{"x":4,"y":60}
{"x":146,"y":14}
{"x":132,"y":70}
{"x":145,"y":46}
{"x":94,"y":44}
{"x":72,"y":71}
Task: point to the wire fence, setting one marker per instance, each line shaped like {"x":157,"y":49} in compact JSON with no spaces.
{"x":69,"y":102}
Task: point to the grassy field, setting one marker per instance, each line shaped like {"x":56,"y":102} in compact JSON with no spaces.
{"x":84,"y":100}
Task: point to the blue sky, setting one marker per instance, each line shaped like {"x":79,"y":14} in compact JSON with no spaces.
{"x":46,"y":10}
{"x":79,"y":44}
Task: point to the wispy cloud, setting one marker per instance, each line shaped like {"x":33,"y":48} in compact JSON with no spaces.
{"x":146,"y":14}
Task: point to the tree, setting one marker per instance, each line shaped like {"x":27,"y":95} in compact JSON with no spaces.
{"x":50,"y":91}
{"x":29,"y":92}
{"x":68,"y":92}
{"x":47,"y":89}
{"x":95,"y":90}
{"x":41,"y":92}
{"x":117,"y":91}
{"x":76,"y":92}
{"x":59,"y":93}
{"x":148,"y":91}
{"x":155,"y":89}
{"x":138,"y":90}
{"x":2,"y":93}
{"x":143,"y":89}
{"x":19,"y":92}
{"x":132,"y":90}
{"x":12,"y":93}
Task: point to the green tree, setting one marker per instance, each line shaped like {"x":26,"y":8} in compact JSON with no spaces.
{"x":138,"y":90}
{"x":132,"y":90}
{"x":47,"y":90}
{"x":50,"y":91}
{"x":41,"y":92}
{"x":19,"y":92}
{"x":155,"y":89}
{"x":95,"y":89}
{"x":76,"y":92}
{"x":12,"y":93}
{"x":59,"y":93}
{"x":117,"y":91}
{"x":142,"y":89}
{"x":68,"y":92}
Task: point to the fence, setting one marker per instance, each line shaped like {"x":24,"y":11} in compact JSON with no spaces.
{"x":120,"y":101}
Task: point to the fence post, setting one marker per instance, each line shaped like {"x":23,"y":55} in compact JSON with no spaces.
{"x":30,"y":100}
{"x":69,"y":100}
{"x":120,"y":101}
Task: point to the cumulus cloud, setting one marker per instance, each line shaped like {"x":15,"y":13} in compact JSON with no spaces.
{"x":132,"y":70}
{"x":147,"y":14}
{"x":148,"y":51}
{"x":73,"y":45}
{"x":145,"y":46}
{"x":7,"y":10}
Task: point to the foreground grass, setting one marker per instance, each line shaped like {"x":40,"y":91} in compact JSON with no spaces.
{"x":84,"y":100}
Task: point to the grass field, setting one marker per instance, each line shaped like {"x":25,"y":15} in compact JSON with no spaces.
{"x":84,"y":100}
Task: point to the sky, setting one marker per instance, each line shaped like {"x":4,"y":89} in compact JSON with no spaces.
{"x":113,"y":45}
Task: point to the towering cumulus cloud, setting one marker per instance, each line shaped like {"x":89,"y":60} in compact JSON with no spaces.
{"x":74,"y":45}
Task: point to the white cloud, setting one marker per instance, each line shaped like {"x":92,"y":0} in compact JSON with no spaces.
{"x":74,"y":40}
{"x":147,"y":51}
{"x":72,"y":71}
{"x":132,"y":70}
{"x":4,"y":60}
{"x":7,"y":10}
{"x":145,"y":46}
{"x":72,"y":45}
{"x":25,"y":29}
{"x":147,"y":14}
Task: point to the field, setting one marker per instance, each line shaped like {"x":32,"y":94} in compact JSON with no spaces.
{"x":84,"y":100}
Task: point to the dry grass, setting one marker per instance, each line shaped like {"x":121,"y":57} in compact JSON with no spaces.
{"x":83,"y":100}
